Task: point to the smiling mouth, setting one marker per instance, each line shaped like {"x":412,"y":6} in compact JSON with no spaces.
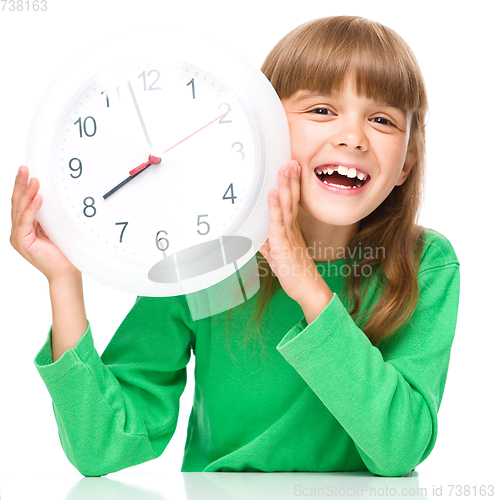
{"x":342,"y":177}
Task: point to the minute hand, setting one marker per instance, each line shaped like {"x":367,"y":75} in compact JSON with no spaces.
{"x":141,"y":167}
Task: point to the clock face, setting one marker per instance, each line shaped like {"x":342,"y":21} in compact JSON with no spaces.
{"x":144,"y":156}
{"x":200,"y":190}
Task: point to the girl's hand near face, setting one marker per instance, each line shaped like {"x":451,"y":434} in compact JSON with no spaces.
{"x":286,"y":251}
{"x":28,"y":237}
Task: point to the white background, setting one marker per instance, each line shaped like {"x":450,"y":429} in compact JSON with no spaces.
{"x":454,"y":43}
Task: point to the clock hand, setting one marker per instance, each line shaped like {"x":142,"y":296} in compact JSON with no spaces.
{"x":152,"y":160}
{"x":141,"y":167}
{"x":139,"y":115}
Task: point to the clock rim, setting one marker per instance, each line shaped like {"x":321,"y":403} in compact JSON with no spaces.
{"x":255,"y":93}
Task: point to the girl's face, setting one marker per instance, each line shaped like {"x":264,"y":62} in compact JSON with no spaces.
{"x":361,"y":143}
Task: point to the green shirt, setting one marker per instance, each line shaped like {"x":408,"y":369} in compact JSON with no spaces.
{"x":320,"y":397}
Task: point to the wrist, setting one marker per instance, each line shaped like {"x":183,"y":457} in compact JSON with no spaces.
{"x":69,"y":278}
{"x":315,"y":302}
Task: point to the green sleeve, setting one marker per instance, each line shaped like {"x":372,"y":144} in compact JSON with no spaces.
{"x":385,"y":398}
{"x":121,"y":409}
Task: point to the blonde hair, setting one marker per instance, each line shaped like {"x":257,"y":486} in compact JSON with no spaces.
{"x":320,"y":55}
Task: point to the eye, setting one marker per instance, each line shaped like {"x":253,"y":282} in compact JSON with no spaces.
{"x":322,"y":111}
{"x":382,"y":121}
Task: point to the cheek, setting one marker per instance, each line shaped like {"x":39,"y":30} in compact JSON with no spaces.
{"x":395,"y":157}
{"x":297,"y":152}
{"x":303,"y":141}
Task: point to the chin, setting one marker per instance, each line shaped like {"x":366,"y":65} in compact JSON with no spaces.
{"x":333,"y":216}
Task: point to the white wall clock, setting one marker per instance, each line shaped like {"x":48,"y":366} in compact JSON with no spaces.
{"x":155,"y":153}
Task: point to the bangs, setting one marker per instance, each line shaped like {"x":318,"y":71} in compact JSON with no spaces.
{"x":322,"y":55}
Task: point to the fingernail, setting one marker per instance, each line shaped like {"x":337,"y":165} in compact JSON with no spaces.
{"x":286,"y":172}
{"x":275,"y":193}
{"x":297,"y":167}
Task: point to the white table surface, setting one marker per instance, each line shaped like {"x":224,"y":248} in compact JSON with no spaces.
{"x":260,"y":486}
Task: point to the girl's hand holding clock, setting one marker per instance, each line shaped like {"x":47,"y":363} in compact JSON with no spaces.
{"x":66,"y":290}
{"x":28,"y":237}
{"x":286,"y":251}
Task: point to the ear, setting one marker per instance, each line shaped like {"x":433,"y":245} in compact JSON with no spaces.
{"x":411,"y":158}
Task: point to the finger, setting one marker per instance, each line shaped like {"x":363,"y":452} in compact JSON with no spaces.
{"x":284,"y":193}
{"x":295,"y":187}
{"x":277,"y":227}
{"x":24,"y":224}
{"x":24,"y":201}
{"x":23,"y":231}
{"x":29,"y":216}
{"x":24,"y":191}
{"x":290,"y":192}
{"x":19,"y":188}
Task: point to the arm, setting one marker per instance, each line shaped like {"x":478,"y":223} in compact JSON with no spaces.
{"x":386,"y":398}
{"x":69,"y":321}
{"x":121,"y":409}
{"x":29,"y":239}
{"x":114,"y":416}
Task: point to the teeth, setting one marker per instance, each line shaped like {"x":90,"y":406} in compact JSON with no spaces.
{"x":348,"y":172}
{"x":339,"y":185}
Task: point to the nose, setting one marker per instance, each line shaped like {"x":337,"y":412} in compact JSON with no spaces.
{"x":350,"y":133}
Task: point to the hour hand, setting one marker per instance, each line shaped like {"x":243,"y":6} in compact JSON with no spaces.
{"x":152,"y":160}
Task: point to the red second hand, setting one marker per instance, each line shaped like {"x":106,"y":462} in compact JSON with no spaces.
{"x":139,"y":168}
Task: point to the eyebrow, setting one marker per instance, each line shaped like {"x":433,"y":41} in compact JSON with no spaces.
{"x":311,"y":94}
{"x":333,"y":95}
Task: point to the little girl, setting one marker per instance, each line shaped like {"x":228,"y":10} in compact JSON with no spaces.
{"x":340,"y":361}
